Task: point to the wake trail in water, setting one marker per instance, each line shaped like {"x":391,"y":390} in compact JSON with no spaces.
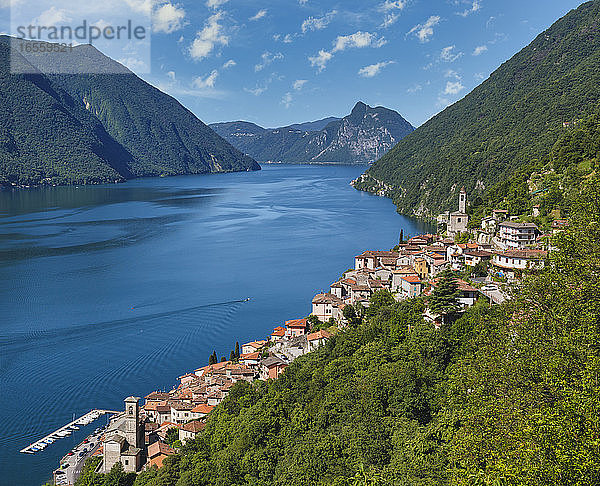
{"x":21,"y":341}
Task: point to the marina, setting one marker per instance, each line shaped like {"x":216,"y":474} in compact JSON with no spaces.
{"x":65,"y":431}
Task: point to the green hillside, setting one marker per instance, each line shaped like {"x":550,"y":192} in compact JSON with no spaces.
{"x":42,"y":141}
{"x":90,"y":128}
{"x":509,"y":121}
{"x":504,"y":395}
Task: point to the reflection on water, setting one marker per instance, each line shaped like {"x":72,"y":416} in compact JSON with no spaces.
{"x":109,"y":291}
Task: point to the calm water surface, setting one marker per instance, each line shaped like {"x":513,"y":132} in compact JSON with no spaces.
{"x":110,"y":291}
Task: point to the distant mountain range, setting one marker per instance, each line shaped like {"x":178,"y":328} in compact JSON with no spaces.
{"x":510,"y":121}
{"x":361,"y":137}
{"x":96,"y":128}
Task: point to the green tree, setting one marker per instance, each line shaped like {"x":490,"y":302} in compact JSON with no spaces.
{"x":172,"y":435}
{"x":237,"y":349}
{"x":212,"y":359}
{"x":444,"y":298}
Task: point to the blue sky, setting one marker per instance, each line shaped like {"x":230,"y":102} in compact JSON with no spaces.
{"x":277,"y":62}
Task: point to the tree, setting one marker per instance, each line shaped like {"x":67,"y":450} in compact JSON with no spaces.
{"x":444,"y":299}
{"x":314,"y":322}
{"x":212,"y":358}
{"x":237,"y":349}
{"x":232,"y":356}
{"x":401,"y":240}
{"x":172,"y":435}
{"x":350,"y":315}
{"x":223,"y":359}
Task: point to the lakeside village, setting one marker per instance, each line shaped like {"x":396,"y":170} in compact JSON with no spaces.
{"x":483,"y":267}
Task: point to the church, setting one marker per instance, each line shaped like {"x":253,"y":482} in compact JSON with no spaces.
{"x":124,"y":439}
{"x":456,"y":222}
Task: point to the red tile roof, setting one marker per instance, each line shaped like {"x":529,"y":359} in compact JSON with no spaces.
{"x":322,"y":334}
{"x":194,"y":426}
{"x":296,"y":323}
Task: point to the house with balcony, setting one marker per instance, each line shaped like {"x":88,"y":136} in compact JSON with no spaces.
{"x":517,"y":235}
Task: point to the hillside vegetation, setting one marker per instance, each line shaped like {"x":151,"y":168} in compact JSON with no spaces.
{"x":510,"y":121}
{"x":93,"y":128}
{"x":503,"y":395}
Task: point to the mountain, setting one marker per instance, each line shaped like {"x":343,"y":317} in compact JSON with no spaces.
{"x":314,"y":126}
{"x":358,"y":138}
{"x":93,"y":128}
{"x":510,"y":120}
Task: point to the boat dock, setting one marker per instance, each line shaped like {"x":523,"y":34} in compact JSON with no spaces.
{"x":65,"y":430}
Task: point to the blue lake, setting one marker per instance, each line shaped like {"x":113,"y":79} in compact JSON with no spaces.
{"x":110,"y":291}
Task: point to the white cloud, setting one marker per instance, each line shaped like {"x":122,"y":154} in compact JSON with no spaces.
{"x":453,"y":88}
{"x":425,"y":31}
{"x":389,"y":20}
{"x":266,"y":59}
{"x":450,"y":73}
{"x":168,"y":18}
{"x":448,"y":54}
{"x":134,"y":64}
{"x":414,"y":89}
{"x":171,"y":75}
{"x":259,"y":15}
{"x":256,"y":91}
{"x":51,"y":17}
{"x":287,"y":100}
{"x":299,"y":84}
{"x":229,"y":64}
{"x":358,"y":40}
{"x":480,"y":50}
{"x":208,"y":38}
{"x":373,"y":69}
{"x":207,"y":81}
{"x":287,"y":39}
{"x":302,"y":2}
{"x":318,"y":23}
{"x":215,"y":3}
{"x":321,"y":59}
{"x":475,"y":7}
{"x":479,"y":76}
{"x":393,"y":5}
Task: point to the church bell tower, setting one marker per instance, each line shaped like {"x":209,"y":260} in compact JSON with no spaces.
{"x":462,"y":201}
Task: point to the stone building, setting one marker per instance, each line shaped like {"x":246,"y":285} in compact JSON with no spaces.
{"x":456,"y":222}
{"x":124,"y":439}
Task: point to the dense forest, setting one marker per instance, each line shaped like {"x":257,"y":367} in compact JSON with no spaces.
{"x":60,"y":128}
{"x":500,"y":395}
{"x":508,"y":123}
{"x":359,"y":138}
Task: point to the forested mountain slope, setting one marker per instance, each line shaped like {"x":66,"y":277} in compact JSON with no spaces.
{"x":359,"y":138}
{"x":511,"y":119}
{"x":135,"y":129}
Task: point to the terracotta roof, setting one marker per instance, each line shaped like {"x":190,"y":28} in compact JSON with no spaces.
{"x":525,"y":254}
{"x":163,"y":408}
{"x":255,"y":355}
{"x":322,"y":334}
{"x":159,"y":447}
{"x":411,"y":278}
{"x":155,"y":395}
{"x":297,"y":323}
{"x":194,"y":426}
{"x":326,"y":299}
{"x":405,"y":270}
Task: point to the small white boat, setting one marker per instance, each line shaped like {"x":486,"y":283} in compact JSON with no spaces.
{"x":42,"y":446}
{"x":74,"y":427}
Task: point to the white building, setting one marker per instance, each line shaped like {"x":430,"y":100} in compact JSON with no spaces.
{"x":327,"y":306}
{"x":510,"y":261}
{"x":517,"y":235}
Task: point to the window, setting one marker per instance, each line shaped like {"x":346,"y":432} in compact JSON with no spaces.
{"x":459,"y":220}
{"x":127,"y":462}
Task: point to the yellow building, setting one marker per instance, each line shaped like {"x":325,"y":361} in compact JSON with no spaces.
{"x":420,"y":266}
